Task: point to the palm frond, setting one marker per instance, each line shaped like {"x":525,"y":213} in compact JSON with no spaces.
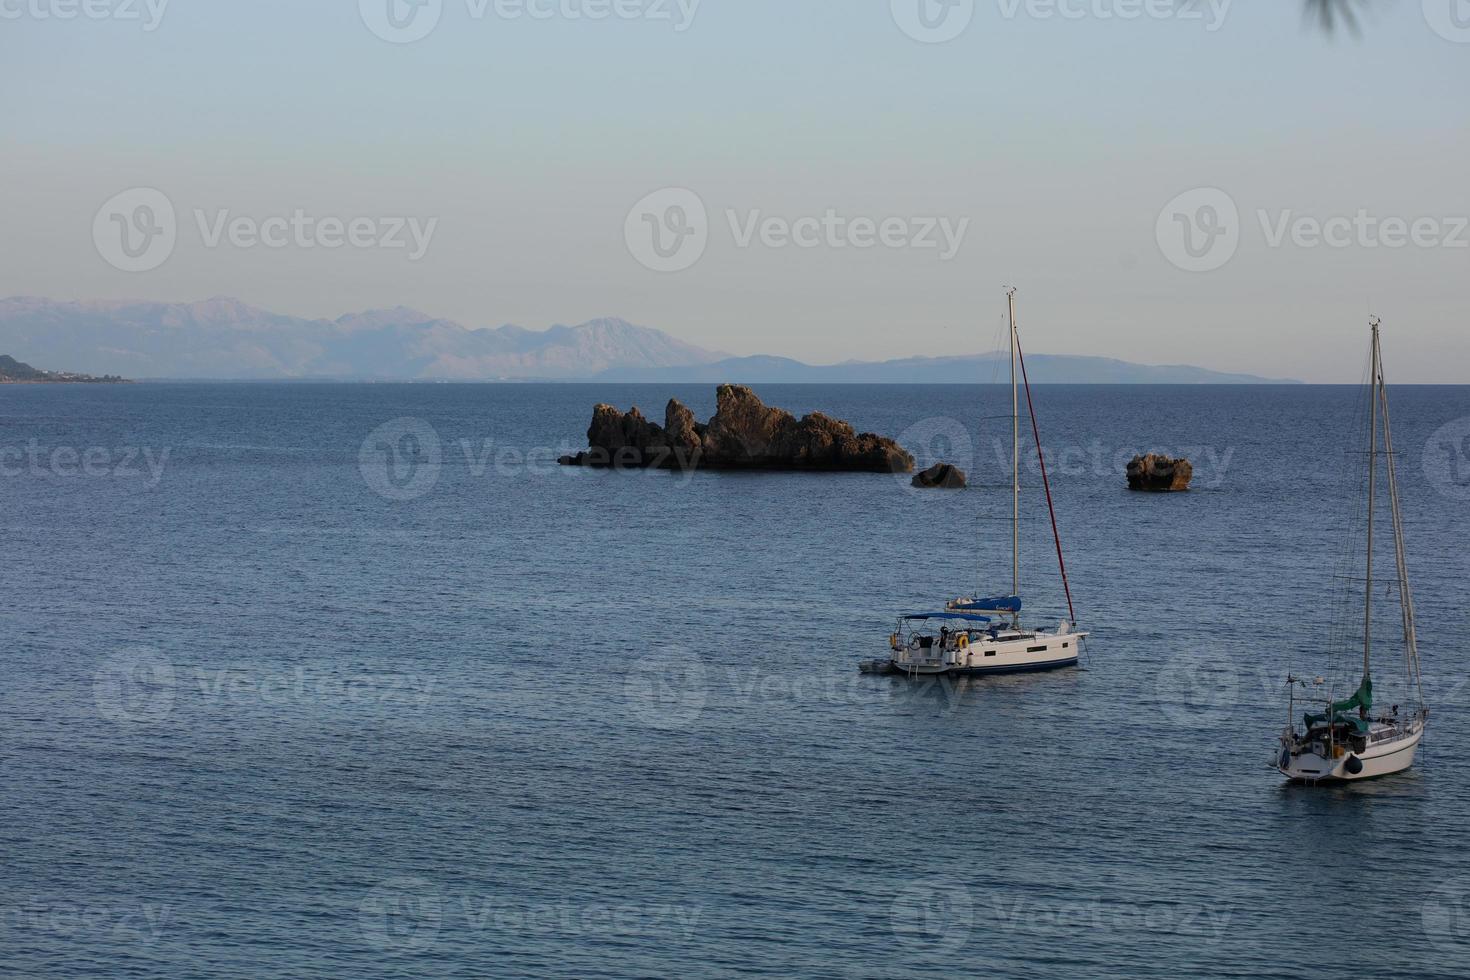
{"x":1329,"y":15}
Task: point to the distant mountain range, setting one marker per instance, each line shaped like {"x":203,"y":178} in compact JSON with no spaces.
{"x":226,"y":339}
{"x":959,"y":369}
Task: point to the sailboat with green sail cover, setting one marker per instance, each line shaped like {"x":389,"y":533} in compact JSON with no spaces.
{"x":1360,"y":737}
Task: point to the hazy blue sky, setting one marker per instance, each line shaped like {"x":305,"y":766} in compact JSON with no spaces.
{"x":1060,"y":139}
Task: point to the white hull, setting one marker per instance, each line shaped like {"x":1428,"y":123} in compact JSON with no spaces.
{"x":1344,"y":743}
{"x":1390,"y":751}
{"x":988,"y":655}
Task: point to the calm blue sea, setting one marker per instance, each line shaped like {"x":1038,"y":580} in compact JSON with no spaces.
{"x":348,"y":680}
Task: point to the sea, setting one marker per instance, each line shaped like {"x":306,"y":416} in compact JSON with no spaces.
{"x":352,"y":680}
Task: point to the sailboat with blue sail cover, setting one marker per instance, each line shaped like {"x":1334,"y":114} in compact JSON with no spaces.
{"x":986,"y":635}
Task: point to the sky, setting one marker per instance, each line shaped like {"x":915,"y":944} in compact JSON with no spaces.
{"x":1214,"y":183}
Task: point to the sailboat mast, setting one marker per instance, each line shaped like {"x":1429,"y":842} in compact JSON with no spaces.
{"x":1372,"y":500}
{"x":1015,"y":457}
{"x":1406,"y":594}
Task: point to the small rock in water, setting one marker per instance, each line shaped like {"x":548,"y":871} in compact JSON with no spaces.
{"x":1159,"y":474}
{"x":941,"y":476}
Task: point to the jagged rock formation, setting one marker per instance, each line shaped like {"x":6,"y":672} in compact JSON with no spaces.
{"x":744,"y":434}
{"x":941,"y":476}
{"x":1159,"y":474}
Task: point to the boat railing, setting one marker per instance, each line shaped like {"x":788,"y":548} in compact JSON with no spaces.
{"x":1400,"y":730}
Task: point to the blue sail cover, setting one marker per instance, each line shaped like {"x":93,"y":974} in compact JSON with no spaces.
{"x":998,"y":604}
{"x":963,"y":617}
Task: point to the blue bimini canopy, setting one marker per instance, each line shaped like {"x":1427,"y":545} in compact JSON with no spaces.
{"x":997,"y":604}
{"x":963,"y":617}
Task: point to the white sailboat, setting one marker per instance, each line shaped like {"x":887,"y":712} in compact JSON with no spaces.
{"x":986,"y":635}
{"x":1349,"y":740}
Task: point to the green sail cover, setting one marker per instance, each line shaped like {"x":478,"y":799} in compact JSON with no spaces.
{"x":1362,"y":700}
